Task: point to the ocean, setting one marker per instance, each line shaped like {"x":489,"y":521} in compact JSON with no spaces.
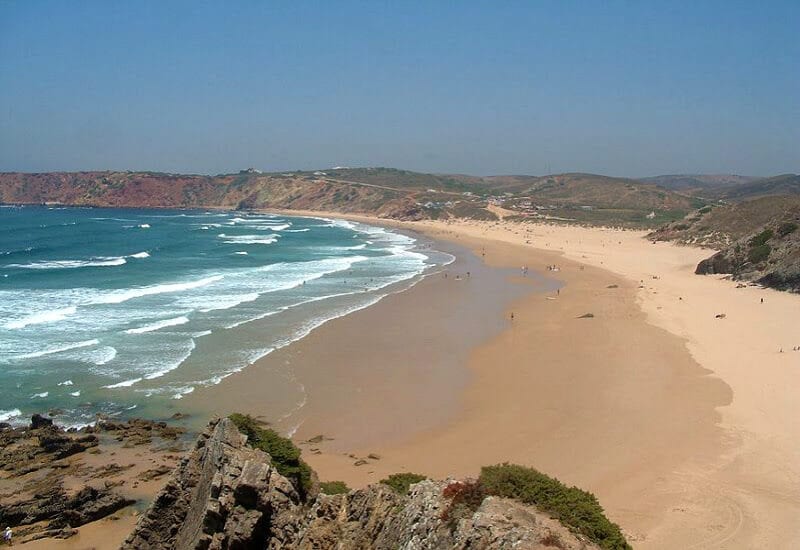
{"x":121,"y":312}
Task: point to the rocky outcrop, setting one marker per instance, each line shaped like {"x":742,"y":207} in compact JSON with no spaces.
{"x":23,"y":451}
{"x":61,"y":510}
{"x":226,"y":495}
{"x":53,"y":480}
{"x":223,"y":494}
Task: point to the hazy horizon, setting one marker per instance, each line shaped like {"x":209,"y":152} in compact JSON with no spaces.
{"x":618,"y":89}
{"x":323,"y":168}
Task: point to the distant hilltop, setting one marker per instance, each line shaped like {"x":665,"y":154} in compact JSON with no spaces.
{"x":402,"y":194}
{"x":707,"y":210}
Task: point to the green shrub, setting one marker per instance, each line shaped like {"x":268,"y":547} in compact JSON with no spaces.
{"x":285,"y":455}
{"x":705,"y":210}
{"x":575,"y":508}
{"x":334,"y":487}
{"x":400,"y":483}
{"x":787,"y":228}
{"x":762,"y":238}
{"x":758,"y":253}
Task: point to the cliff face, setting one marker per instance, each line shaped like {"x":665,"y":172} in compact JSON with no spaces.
{"x":243,"y":191}
{"x":225,"y":495}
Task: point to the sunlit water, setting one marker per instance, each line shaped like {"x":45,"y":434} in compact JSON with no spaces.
{"x":121,"y":312}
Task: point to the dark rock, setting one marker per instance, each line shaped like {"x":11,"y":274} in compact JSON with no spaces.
{"x":38,"y":421}
{"x":62,"y":510}
{"x":62,"y":445}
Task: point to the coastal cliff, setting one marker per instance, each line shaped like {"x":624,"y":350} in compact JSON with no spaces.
{"x":226,"y":494}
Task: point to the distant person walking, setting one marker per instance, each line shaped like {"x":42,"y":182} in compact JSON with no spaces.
{"x":7,"y":535}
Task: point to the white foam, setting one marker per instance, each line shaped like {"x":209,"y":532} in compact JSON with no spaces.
{"x":175,"y":365}
{"x":104,"y":355}
{"x":182,"y":392}
{"x":248,"y":239}
{"x":144,"y":226}
{"x":140,"y":255}
{"x":125,"y":295}
{"x":40,"y":395}
{"x":124,"y":383}
{"x":241,"y":253}
{"x":8,"y":415}
{"x":43,"y":317}
{"x":65,"y":383}
{"x":72,"y":264}
{"x":297,"y":230}
{"x":76,"y":393}
{"x":51,"y":351}
{"x":39,"y":318}
{"x":158,"y":325}
{"x":229,"y":301}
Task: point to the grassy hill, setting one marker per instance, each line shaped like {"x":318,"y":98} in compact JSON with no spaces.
{"x":786,"y":184}
{"x":702,"y":185}
{"x":385,"y":192}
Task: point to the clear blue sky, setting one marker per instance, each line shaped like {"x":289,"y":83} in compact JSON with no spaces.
{"x":623,"y":88}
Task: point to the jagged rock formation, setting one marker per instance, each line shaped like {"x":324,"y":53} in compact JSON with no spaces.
{"x":225,"y":495}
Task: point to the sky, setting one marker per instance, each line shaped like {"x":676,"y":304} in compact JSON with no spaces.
{"x":625,"y":88}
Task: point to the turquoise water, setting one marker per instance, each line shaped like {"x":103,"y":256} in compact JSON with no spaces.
{"x":123,"y":312}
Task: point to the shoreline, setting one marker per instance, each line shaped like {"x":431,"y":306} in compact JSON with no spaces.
{"x":360,"y":371}
{"x":683,"y":424}
{"x":740,"y":481}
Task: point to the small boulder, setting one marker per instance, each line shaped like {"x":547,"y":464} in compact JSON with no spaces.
{"x":38,"y":421}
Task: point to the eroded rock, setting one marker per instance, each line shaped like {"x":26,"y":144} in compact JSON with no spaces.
{"x":226,"y":495}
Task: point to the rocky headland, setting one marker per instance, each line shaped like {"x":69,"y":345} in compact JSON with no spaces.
{"x":226,"y":493}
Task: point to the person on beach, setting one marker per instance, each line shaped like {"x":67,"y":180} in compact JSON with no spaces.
{"x":7,"y":535}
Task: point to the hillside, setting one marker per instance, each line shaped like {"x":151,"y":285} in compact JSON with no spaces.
{"x":757,"y":240}
{"x":786,"y":184}
{"x":385,"y":192}
{"x":705,"y":185}
{"x":240,"y":191}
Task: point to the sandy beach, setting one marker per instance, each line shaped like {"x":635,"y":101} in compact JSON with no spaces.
{"x":682,"y":423}
{"x":614,"y":374}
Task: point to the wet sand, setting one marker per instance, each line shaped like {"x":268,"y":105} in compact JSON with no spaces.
{"x":385,"y":372}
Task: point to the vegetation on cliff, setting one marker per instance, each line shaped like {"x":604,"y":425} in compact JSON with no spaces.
{"x":400,"y":483}
{"x":227,"y":494}
{"x":574,"y":507}
{"x":285,"y":455}
{"x":757,"y":240}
